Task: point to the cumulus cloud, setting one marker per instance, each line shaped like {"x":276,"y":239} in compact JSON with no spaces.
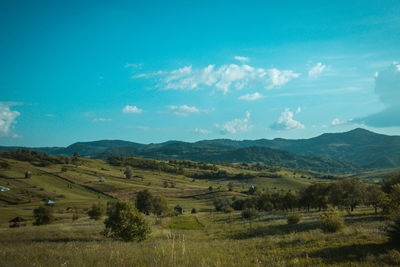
{"x":236,"y":125}
{"x":7,"y":119}
{"x":242,"y":59}
{"x":131,"y":109}
{"x":315,"y":71}
{"x":202,"y":131}
{"x":286,"y":122}
{"x":387,"y":87}
{"x":223,"y":78}
{"x":100,"y":120}
{"x":251,"y":97}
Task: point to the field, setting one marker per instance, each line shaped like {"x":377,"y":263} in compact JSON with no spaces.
{"x":207,"y":238}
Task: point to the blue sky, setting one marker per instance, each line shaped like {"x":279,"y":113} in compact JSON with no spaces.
{"x":152,"y":71}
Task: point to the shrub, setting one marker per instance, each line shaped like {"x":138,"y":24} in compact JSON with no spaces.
{"x":249,"y":213}
{"x":228,"y":209}
{"x":96,"y":212}
{"x":194,"y":210}
{"x":293,"y":218}
{"x":125,"y":222}
{"x":394,"y":231}
{"x":221,"y":204}
{"x":128,"y":172}
{"x":43,"y":215}
{"x":331,"y":221}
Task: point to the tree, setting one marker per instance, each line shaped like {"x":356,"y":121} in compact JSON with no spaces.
{"x":43,"y":215}
{"x":144,"y":201}
{"x":96,"y":212}
{"x":375,"y":197}
{"x":75,"y":159}
{"x":125,"y":222}
{"x":160,"y":205}
{"x":128,"y":172}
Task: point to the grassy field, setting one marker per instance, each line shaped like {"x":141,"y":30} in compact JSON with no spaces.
{"x":207,"y":238}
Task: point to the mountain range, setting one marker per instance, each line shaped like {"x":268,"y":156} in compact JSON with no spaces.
{"x":330,"y":152}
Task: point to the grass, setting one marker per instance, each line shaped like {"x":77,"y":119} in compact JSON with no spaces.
{"x":207,"y":238}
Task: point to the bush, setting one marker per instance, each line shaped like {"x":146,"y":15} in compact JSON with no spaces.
{"x":96,"y":212}
{"x":228,"y":209}
{"x":331,"y":221}
{"x":125,"y":222}
{"x":128,"y":172}
{"x":221,"y":204}
{"x":249,"y":213}
{"x":293,"y":218}
{"x":394,"y":231}
{"x":194,"y":210}
{"x":43,"y":215}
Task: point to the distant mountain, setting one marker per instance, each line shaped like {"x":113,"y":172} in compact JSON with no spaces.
{"x":359,"y":146}
{"x":331,"y":152}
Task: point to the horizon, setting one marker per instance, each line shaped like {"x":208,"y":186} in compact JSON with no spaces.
{"x":155,"y":72}
{"x":172,"y":140}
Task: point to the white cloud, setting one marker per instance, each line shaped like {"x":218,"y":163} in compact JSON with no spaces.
{"x":298,"y":110}
{"x":183,"y":110}
{"x":7,"y":119}
{"x":251,"y":97}
{"x":101,"y":120}
{"x":315,"y":71}
{"x":131,"y":109}
{"x":242,"y":59}
{"x":202,"y":131}
{"x":278,"y":78}
{"x":223,"y":78}
{"x":337,"y":122}
{"x":286,"y":122}
{"x":387,"y":88}
{"x":236,"y":125}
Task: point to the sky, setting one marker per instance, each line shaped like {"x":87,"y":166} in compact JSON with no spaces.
{"x":152,"y":71}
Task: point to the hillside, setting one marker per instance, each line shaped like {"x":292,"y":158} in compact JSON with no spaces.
{"x":359,"y":146}
{"x":331,"y":152}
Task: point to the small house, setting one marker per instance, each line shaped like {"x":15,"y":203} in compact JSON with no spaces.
{"x":3,"y":188}
{"x":49,"y":203}
{"x":69,"y":209}
{"x":17,"y":222}
{"x":101,"y":179}
{"x":28,"y":174}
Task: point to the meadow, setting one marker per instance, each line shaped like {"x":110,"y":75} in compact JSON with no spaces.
{"x":206,"y":238}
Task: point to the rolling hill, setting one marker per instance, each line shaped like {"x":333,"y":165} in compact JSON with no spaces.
{"x":329,"y":152}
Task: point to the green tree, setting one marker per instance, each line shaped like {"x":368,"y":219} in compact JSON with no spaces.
{"x":160,"y":205}
{"x":375,"y":197}
{"x":125,"y":222}
{"x":96,"y":212}
{"x":144,"y":201}
{"x":43,"y":215}
{"x":128,"y":172}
